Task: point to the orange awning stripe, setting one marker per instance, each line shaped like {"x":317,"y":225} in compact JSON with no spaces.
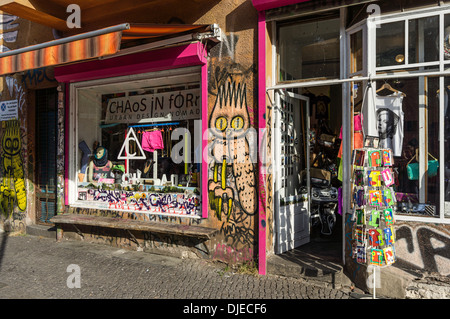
{"x":89,"y":47}
{"x":79,"y":50}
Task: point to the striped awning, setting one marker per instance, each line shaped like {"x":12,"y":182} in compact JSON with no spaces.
{"x":88,"y":45}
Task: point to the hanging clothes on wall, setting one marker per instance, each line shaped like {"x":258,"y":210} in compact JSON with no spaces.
{"x":386,"y":121}
{"x":358,"y":139}
{"x":358,"y":136}
{"x":152,"y":141}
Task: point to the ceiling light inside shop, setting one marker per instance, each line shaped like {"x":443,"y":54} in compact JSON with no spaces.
{"x":400,"y":58}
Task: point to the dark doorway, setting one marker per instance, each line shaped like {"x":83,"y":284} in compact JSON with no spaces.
{"x":46,"y":143}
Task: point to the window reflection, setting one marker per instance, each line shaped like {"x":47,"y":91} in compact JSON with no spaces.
{"x":423,"y":40}
{"x":356,"y":48}
{"x":309,"y":50}
{"x":391,"y":44}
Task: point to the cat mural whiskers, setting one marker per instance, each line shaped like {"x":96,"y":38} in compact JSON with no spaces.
{"x":229,"y":124}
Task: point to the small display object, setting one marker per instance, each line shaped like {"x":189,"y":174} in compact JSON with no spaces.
{"x":373,"y":206}
{"x":371,"y":141}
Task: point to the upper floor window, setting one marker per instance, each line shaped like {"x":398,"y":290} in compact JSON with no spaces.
{"x":309,"y":50}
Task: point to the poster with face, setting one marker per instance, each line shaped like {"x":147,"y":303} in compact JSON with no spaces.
{"x":386,"y":122}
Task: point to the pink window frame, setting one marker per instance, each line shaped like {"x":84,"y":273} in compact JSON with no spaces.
{"x":193,"y":54}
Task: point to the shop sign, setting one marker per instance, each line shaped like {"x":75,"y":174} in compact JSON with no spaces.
{"x":9,"y":110}
{"x":178,"y":105}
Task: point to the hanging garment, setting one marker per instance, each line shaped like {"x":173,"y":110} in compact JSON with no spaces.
{"x":386,"y":122}
{"x":152,"y":141}
{"x":358,"y":136}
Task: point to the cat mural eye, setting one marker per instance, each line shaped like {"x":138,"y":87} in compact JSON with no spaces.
{"x":237,"y":122}
{"x":221,"y":123}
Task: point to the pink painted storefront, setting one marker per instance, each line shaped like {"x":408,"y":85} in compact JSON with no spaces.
{"x":326,"y":68}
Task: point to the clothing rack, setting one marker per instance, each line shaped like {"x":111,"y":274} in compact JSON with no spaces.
{"x":140,"y":125}
{"x":158,"y":124}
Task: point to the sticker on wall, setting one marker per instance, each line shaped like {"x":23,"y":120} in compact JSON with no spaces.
{"x":9,"y":110}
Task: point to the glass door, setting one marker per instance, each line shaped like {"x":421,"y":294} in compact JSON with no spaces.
{"x":292,"y":189}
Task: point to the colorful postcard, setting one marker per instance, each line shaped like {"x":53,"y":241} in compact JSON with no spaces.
{"x":375,"y":158}
{"x":389,"y":255}
{"x":376,"y":257}
{"x":388,"y":177}
{"x":375,"y":239}
{"x":374,"y":178}
{"x":359,"y":178}
{"x":359,"y":197}
{"x":389,"y":236}
{"x":388,"y":198}
{"x":375,"y":198}
{"x":360,"y":234}
{"x":387,"y":158}
{"x":361,"y":256}
{"x":360,"y":217}
{"x":358,"y":157}
{"x":374,"y":219}
{"x":389,"y":216}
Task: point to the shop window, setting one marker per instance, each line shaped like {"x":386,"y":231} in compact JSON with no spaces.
{"x":390,"y":43}
{"x":399,"y":108}
{"x":423,"y":44}
{"x":356,"y":52}
{"x":409,"y":43}
{"x":136,"y":145}
{"x":309,"y":50}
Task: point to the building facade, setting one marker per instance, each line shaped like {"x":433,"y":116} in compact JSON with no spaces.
{"x":225,"y":129}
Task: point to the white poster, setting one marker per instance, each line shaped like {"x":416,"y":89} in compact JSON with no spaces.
{"x":9,"y":110}
{"x":386,"y":122}
{"x":178,"y":105}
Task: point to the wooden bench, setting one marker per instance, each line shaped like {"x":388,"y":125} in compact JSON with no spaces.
{"x":131,"y":224}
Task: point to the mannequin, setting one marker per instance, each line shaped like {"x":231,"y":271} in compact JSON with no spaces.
{"x":100,"y":166}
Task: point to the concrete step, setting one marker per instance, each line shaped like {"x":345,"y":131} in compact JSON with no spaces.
{"x":41,"y":230}
{"x":311,"y":268}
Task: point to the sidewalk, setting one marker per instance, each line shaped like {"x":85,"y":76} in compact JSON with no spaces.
{"x":38,"y":267}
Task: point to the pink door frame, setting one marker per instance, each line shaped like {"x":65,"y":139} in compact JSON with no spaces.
{"x":262,"y":222}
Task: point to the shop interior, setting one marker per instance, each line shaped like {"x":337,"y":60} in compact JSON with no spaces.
{"x":325,"y":121}
{"x":325,"y":142}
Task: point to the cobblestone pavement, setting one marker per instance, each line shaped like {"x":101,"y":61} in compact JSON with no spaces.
{"x":36,"y":267}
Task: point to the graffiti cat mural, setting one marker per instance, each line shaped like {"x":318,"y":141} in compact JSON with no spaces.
{"x":229,"y":124}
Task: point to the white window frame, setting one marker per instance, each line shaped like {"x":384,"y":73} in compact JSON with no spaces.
{"x":369,"y":74}
{"x":381,"y":72}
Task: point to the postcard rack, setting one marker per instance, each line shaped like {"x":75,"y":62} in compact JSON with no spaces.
{"x":373,"y":204}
